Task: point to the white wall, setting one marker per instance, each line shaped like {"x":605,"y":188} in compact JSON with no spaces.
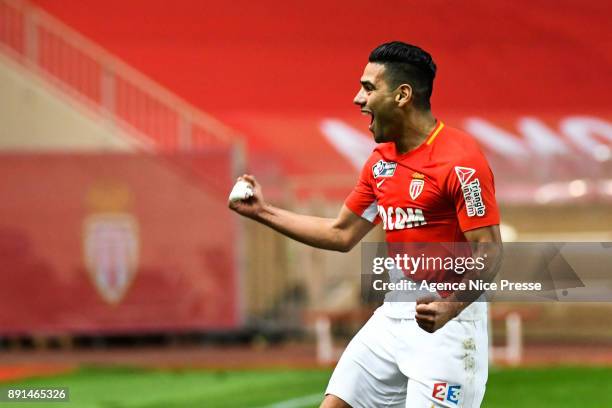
{"x":34,"y":116}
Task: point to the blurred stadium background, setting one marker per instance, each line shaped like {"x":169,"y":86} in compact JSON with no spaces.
{"x":124,"y":124}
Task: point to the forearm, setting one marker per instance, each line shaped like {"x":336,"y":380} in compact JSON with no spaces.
{"x":431,"y":315}
{"x":336,"y":234}
{"x":491,"y":254}
{"x":314,"y":231}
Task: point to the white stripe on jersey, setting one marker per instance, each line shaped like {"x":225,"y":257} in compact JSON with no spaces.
{"x":371,"y":212}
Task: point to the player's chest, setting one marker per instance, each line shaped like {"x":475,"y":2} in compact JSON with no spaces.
{"x":402,"y":185}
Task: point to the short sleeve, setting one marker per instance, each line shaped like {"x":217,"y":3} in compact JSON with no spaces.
{"x":471,"y":187}
{"x":362,"y":200}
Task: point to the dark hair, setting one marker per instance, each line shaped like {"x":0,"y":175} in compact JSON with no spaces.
{"x":407,"y":64}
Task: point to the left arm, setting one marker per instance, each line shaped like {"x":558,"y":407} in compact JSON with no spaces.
{"x":486,"y":243}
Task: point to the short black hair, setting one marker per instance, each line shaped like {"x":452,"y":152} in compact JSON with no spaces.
{"x":407,"y":64}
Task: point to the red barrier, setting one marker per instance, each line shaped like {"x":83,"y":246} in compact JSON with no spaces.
{"x":106,"y":243}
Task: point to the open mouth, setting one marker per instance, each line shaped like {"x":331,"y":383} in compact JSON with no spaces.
{"x":371,"y":114}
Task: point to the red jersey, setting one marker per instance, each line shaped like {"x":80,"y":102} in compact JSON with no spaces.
{"x":433,"y":193}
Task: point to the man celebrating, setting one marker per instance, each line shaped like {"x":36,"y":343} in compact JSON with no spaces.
{"x":426,"y":182}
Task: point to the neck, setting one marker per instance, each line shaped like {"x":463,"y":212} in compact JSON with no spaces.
{"x":417,"y":126}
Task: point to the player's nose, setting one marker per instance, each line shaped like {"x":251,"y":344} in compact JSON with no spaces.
{"x":360,"y":98}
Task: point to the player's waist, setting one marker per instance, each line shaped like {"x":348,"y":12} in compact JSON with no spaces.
{"x":406,"y":310}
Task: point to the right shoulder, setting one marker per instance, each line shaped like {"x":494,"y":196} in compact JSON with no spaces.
{"x":382,"y":152}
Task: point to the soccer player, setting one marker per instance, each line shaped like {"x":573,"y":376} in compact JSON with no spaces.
{"x":425,"y":182}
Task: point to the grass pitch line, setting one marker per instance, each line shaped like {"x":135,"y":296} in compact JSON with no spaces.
{"x":299,"y":402}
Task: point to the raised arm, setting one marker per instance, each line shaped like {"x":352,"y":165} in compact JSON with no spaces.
{"x":336,"y":234}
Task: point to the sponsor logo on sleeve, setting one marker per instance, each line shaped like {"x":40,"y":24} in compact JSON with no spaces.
{"x":383,"y":169}
{"x":472,"y":193}
{"x":447,"y":392}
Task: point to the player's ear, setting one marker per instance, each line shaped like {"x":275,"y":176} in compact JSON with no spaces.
{"x":404,"y":95}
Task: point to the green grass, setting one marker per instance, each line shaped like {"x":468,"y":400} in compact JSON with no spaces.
{"x":123,"y":388}
{"x":130,"y":388}
{"x":567,"y":387}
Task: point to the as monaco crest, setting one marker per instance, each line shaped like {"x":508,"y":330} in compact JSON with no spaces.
{"x":111,"y":250}
{"x":416,"y":185}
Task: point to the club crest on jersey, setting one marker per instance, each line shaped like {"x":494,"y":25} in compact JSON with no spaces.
{"x":416,"y":185}
{"x":383,"y":169}
{"x":447,"y":392}
{"x":472,"y":193}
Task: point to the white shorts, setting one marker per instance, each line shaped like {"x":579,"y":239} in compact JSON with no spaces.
{"x":394,"y":363}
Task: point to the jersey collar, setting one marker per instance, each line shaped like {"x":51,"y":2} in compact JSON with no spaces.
{"x":428,"y":141}
{"x":434,"y":133}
